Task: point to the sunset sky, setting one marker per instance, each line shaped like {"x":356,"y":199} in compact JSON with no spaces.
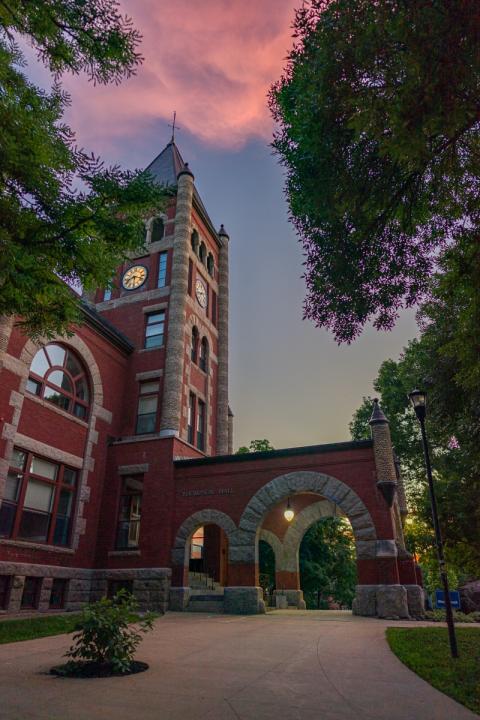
{"x":213,"y":61}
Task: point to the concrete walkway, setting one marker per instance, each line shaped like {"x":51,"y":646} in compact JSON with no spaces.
{"x":288,"y":665}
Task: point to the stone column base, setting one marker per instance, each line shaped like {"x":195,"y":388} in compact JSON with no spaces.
{"x":293,"y":598}
{"x":386,"y":601}
{"x":243,"y":601}
{"x":416,"y":601}
{"x":392,"y":602}
{"x":179,"y":598}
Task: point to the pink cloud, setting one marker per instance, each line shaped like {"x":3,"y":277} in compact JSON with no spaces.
{"x":210,"y":60}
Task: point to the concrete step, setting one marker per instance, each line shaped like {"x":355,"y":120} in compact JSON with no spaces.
{"x":198,"y":594}
{"x":205,"y":605}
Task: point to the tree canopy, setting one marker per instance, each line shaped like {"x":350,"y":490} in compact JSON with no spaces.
{"x":378,"y":129}
{"x":66,"y":219}
{"x":256,"y":446}
{"x":444,"y":362}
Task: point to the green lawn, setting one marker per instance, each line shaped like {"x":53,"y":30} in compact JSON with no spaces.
{"x":37,"y":627}
{"x":426,"y":651}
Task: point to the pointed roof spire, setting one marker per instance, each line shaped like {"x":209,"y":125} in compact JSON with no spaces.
{"x":378,"y":417}
{"x":186,"y":171}
{"x":223,"y":232}
{"x":166,"y":168}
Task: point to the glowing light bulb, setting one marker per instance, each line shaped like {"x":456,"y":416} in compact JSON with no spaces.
{"x":288,"y":514}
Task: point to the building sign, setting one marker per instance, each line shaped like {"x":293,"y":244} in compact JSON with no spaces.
{"x":206,"y":491}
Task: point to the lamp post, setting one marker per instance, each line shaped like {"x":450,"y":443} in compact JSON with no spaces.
{"x":418,"y":399}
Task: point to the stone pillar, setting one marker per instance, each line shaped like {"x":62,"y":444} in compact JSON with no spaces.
{"x":16,"y":592}
{"x":173,"y":373}
{"x":45,"y":593}
{"x":383,"y":452}
{"x":222,"y":447}
{"x":230,"y":431}
{"x":243,"y":601}
{"x":6,"y":325}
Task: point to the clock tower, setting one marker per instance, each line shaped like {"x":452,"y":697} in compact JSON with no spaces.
{"x":171,"y":301}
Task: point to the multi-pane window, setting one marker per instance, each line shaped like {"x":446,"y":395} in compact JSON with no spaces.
{"x":203,"y":360}
{"x":191,"y":419}
{"x":197,"y":544}
{"x":128,"y":528}
{"x":5,"y":585}
{"x":147,"y":407}
{"x":194,"y":240}
{"x":211,"y":265}
{"x":201,"y":425}
{"x":57,"y":595}
{"x":214,"y":307}
{"x":194,"y":345}
{"x":57,"y":376}
{"x":190,"y":277}
{"x":155,"y":329}
{"x":31,"y":593}
{"x":38,"y":501}
{"x":158,"y":229}
{"x":162,"y":269}
{"x":114,"y":587}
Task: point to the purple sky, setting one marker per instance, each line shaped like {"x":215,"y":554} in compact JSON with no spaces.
{"x":213,"y":62}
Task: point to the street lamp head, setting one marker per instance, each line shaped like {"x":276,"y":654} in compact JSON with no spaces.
{"x":289,"y":513}
{"x":418,"y":398}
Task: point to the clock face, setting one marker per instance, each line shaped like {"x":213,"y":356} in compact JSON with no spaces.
{"x":134,"y":277}
{"x":201,"y":293}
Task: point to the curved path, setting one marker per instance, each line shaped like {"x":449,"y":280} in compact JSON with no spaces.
{"x":283,"y":666}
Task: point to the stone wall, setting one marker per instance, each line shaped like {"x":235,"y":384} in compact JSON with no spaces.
{"x":151,"y":586}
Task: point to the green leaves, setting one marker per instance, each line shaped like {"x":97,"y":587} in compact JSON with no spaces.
{"x":67,"y":221}
{"x":327,"y":562}
{"x":104,"y":634}
{"x":89,"y":36}
{"x":378,"y":129}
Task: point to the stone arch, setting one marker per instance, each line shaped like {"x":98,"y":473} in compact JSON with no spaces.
{"x":276,"y":545}
{"x":192,"y":523}
{"x":243,"y":547}
{"x":294,"y":535}
{"x":149,"y":226}
{"x":86,"y":355}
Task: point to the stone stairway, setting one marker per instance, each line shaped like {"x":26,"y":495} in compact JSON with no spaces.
{"x":206,"y":594}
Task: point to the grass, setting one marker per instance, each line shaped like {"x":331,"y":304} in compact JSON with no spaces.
{"x":426,"y":651}
{"x":37,"y":627}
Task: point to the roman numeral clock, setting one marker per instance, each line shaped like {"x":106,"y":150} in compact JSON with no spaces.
{"x":134,"y":277}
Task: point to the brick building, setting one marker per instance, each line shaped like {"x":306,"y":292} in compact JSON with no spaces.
{"x":115,"y":450}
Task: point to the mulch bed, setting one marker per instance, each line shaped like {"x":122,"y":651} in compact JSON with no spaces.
{"x":95,"y":670}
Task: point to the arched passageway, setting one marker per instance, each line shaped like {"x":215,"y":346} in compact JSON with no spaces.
{"x":247,"y":496}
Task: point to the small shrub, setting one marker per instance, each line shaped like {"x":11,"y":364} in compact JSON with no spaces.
{"x":104,"y":635}
{"x":440,"y":616}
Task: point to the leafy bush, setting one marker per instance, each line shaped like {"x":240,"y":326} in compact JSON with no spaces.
{"x":440,"y":616}
{"x":104,"y":634}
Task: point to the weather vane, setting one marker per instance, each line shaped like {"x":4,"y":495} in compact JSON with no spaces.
{"x":174,"y":125}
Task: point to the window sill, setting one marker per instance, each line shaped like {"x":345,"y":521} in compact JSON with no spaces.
{"x":55,"y":408}
{"x":125,"y":553}
{"x":36,"y":546}
{"x":144,"y":350}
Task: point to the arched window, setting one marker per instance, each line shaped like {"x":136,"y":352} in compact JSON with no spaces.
{"x":211,"y":265}
{"x":58,"y":376}
{"x":158,"y":229}
{"x":194,"y":348}
{"x":203,"y":362}
{"x":194,"y":241}
{"x":202,"y":252}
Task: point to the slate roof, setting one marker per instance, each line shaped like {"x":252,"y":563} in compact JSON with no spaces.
{"x":165,"y":169}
